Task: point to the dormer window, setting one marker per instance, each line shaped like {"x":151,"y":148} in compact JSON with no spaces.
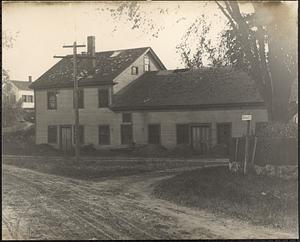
{"x":134,"y":70}
{"x":115,"y":53}
{"x":146,"y":63}
{"x":103,"y":98}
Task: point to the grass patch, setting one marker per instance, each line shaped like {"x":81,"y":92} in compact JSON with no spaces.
{"x":259,"y":200}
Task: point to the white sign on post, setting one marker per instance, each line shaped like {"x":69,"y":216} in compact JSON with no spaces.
{"x":246,"y":117}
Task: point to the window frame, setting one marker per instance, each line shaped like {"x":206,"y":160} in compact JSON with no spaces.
{"x":186,"y":140}
{"x":122,"y":135}
{"x":146,"y":64}
{"x":107,"y":134}
{"x":56,"y":135}
{"x":48,"y":96}
{"x":124,"y":120}
{"x":159,"y":134}
{"x":136,"y":72}
{"x":99,"y":98}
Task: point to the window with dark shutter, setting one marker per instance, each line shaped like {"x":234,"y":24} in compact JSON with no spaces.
{"x":24,"y":98}
{"x":104,"y":135}
{"x":126,"y":117}
{"x":126,"y":134}
{"x":103,"y":98}
{"x":134,"y":70}
{"x":182,"y":133}
{"x":80,"y":133}
{"x":52,"y":99}
{"x":154,"y":134}
{"x":80,"y":99}
{"x":52,"y":134}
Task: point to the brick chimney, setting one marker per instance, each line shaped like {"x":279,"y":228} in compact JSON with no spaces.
{"x":91,"y":45}
{"x":29,"y":79}
{"x":91,"y":48}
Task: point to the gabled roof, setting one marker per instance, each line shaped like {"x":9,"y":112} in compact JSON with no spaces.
{"x":22,"y":85}
{"x":108,"y":65}
{"x":205,"y":87}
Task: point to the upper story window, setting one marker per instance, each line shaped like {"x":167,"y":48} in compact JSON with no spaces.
{"x":126,"y":118}
{"x":80,"y":99}
{"x":134,"y":70}
{"x":52,"y":99}
{"x":103,"y":98}
{"x":27,"y":98}
{"x":146,"y":63}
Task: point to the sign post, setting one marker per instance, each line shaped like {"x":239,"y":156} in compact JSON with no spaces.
{"x":248,"y":118}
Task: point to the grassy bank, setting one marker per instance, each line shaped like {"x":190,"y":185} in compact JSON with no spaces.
{"x":259,"y":200}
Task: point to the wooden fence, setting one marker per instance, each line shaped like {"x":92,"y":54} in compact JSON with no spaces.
{"x":265,"y":150}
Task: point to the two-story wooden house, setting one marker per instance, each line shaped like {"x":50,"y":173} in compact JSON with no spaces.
{"x":128,"y":96}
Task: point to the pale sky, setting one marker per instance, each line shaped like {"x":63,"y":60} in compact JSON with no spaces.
{"x":43,"y":28}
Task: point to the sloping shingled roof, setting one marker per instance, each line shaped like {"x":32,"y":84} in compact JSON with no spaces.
{"x":22,"y":85}
{"x":187,"y":89}
{"x":106,"y":69}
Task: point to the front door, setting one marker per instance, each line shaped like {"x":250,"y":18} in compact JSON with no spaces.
{"x":224,"y":135}
{"x":201,"y":138}
{"x":66,"y":138}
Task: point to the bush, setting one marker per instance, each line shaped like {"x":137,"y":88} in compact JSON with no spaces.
{"x":277,"y":129}
{"x":88,"y":148}
{"x":150,"y":150}
{"x":219,"y":150}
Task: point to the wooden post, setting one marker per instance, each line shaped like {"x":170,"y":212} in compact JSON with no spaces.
{"x":247,"y":146}
{"x":236,"y":149}
{"x":75,"y":92}
{"x":254,"y":151}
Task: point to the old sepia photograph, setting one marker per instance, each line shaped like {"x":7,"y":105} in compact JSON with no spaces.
{"x":149,"y":120}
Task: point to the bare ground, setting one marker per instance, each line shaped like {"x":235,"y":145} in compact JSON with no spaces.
{"x":41,"y":206}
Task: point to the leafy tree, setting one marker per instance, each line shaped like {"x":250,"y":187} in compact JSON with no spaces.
{"x":11,"y":108}
{"x":263,"y":43}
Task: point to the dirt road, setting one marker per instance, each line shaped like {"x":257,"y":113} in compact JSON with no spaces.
{"x":41,"y":206}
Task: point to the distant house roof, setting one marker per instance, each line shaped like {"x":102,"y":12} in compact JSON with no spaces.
{"x":108,"y":65}
{"x":206,"y":87}
{"x":22,"y":85}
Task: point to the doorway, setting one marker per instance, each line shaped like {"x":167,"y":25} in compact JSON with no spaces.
{"x":66,"y":138}
{"x":224,"y":135}
{"x":200,"y":137}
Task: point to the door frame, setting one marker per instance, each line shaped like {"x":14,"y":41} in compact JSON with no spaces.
{"x":60,"y":134}
{"x":209,"y":125}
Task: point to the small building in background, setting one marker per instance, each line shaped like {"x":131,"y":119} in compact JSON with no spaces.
{"x":22,"y":92}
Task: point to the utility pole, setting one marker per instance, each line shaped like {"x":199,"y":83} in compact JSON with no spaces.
{"x":75,"y":92}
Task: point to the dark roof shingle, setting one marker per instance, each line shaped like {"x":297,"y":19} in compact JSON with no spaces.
{"x":22,"y":85}
{"x":188,"y":88}
{"x":106,"y":69}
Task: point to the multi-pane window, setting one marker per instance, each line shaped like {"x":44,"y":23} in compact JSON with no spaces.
{"x":103,"y":98}
{"x":27,"y":98}
{"x":146,"y":63}
{"x":80,"y":134}
{"x":52,"y":99}
{"x":104,"y":135}
{"x":153,"y":133}
{"x":134,"y":70}
{"x":52,"y":134}
{"x":126,"y":118}
{"x":80,"y":99}
{"x":182,"y":133}
{"x":126,"y":134}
